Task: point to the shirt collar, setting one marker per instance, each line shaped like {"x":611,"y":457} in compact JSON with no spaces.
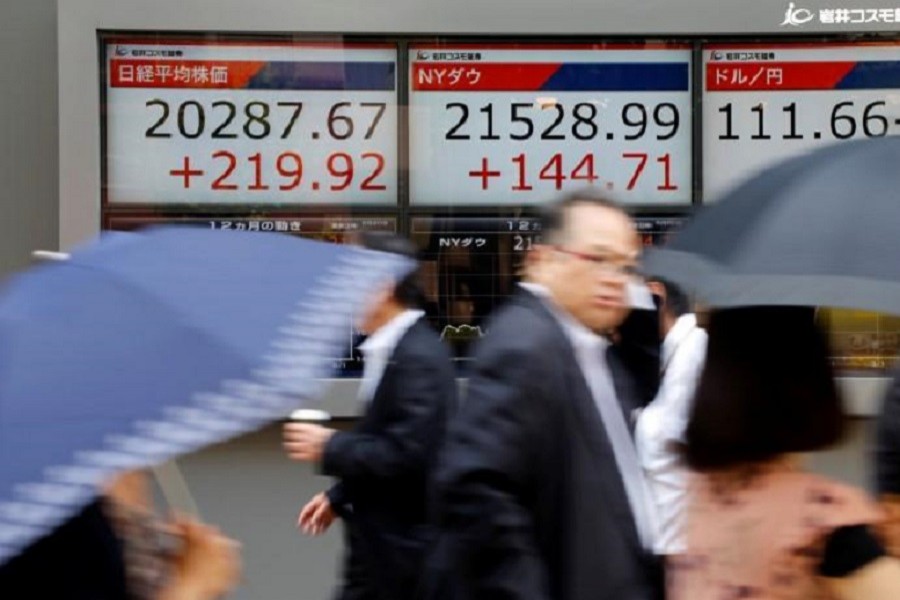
{"x":388,"y":335}
{"x":579,"y":336}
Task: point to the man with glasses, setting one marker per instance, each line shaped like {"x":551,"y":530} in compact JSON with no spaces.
{"x":540,"y":494}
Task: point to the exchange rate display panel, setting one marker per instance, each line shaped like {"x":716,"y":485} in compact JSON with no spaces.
{"x":763,"y":104}
{"x":196,"y":122}
{"x":517,"y":125}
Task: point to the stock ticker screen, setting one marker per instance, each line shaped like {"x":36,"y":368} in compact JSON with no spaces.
{"x":513,"y":125}
{"x":450,"y":142}
{"x":233,"y":122}
{"x":471,"y":265}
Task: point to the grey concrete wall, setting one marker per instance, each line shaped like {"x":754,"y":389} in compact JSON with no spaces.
{"x":250,"y":490}
{"x":29,"y":167}
{"x":850,"y":461}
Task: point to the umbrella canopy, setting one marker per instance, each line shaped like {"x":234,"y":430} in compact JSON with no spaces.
{"x":823,"y":229}
{"x":145,"y":346}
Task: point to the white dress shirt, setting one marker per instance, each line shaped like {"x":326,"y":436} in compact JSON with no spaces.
{"x":378,"y":348}
{"x":661,"y":426}
{"x":590,"y":352}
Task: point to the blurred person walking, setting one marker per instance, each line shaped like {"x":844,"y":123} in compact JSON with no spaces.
{"x":759,"y":524}
{"x":116,"y":549}
{"x":659,"y":433}
{"x":541,"y":495}
{"x":384,"y":466}
{"x":887,"y":463}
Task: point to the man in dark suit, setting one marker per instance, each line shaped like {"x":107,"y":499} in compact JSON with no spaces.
{"x":385,"y":465}
{"x":888,"y":445}
{"x":540,"y":493}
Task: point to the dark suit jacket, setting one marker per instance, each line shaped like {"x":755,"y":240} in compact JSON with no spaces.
{"x":639,"y":350}
{"x":531,"y":504}
{"x":888,"y":445}
{"x":385,"y":467}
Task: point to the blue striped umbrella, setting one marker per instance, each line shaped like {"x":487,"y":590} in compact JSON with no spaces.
{"x":145,"y":346}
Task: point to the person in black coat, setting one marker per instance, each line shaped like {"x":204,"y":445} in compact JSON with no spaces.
{"x":540,"y":495}
{"x":887,"y":463}
{"x":384,"y":466}
{"x":888,"y":445}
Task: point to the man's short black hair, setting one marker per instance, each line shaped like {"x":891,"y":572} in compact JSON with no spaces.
{"x":554,"y":216}
{"x":677,"y":302}
{"x":408,"y":292}
{"x":767,"y":389}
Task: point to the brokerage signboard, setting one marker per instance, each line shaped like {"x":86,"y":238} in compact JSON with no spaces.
{"x":513,"y":125}
{"x":763,"y":104}
{"x":250,"y":123}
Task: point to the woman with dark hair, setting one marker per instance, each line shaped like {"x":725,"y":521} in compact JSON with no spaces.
{"x":760,"y":526}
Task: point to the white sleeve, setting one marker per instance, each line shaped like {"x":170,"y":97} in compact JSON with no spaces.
{"x":665,"y":419}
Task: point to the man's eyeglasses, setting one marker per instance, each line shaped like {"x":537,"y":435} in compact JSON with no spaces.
{"x":602,"y":263}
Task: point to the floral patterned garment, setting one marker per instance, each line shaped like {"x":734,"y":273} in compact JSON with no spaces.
{"x":759,"y":533}
{"x":147,"y":548}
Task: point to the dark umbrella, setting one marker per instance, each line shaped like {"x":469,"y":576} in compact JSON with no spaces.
{"x":820,"y":230}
